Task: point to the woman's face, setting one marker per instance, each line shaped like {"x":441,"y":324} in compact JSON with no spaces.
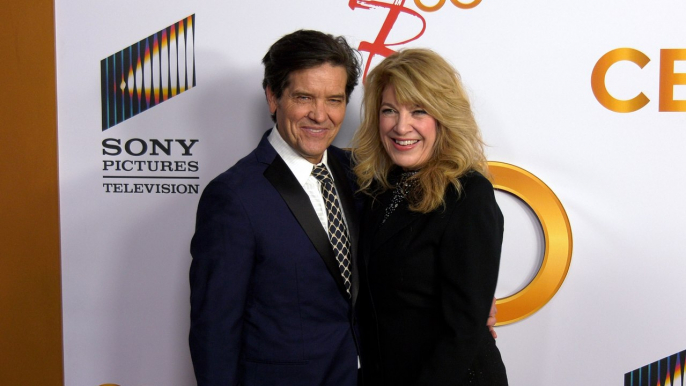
{"x":408,"y":132}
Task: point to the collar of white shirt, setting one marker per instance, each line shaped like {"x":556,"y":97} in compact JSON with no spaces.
{"x":300,"y":167}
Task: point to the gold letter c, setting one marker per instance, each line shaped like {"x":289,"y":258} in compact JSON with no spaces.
{"x":598,"y":80}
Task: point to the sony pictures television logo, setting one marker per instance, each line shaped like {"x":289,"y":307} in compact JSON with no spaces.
{"x":668,"y":371}
{"x":148,"y":72}
{"x":131,"y":162}
{"x":136,"y":79}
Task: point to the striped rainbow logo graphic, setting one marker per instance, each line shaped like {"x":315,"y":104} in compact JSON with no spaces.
{"x":667,"y":371}
{"x":148,"y":73}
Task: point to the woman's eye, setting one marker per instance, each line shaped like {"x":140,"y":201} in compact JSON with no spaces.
{"x":419,"y":112}
{"x":387,"y":111}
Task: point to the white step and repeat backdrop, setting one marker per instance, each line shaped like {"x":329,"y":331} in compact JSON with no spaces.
{"x":157,"y":97}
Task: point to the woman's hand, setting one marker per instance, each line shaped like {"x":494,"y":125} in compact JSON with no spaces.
{"x":491,"y":320}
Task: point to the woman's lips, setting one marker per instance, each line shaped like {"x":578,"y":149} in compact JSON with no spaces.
{"x":404,"y":144}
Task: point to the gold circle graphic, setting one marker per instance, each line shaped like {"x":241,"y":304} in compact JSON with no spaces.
{"x":429,"y":8}
{"x":439,"y":5}
{"x":462,"y":5}
{"x":557,"y":235}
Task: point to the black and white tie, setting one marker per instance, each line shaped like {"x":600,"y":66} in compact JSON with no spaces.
{"x":338,"y":232}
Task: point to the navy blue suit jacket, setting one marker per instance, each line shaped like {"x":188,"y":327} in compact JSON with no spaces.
{"x":268,"y":305}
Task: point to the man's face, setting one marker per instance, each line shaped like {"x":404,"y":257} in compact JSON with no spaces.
{"x":311,"y":109}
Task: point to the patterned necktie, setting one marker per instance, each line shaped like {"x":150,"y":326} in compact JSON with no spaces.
{"x":338,"y":232}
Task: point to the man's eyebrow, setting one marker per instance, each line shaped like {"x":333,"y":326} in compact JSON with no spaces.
{"x":306,"y":93}
{"x":300,"y":92}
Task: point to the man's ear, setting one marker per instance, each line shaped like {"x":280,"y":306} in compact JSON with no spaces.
{"x":271,"y":100}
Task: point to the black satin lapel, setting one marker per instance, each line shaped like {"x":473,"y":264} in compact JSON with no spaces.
{"x":399,"y":219}
{"x":347,"y":197}
{"x":283,"y":180}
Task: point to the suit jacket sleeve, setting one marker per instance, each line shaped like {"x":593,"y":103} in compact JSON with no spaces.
{"x":468,"y":262}
{"x":223,"y":250}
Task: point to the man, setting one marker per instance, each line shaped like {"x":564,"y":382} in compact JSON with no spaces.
{"x":271,"y":286}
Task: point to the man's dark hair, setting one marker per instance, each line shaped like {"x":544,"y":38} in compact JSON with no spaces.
{"x":305,"y":49}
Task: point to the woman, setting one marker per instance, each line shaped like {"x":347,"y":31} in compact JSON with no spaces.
{"x":431,"y":233}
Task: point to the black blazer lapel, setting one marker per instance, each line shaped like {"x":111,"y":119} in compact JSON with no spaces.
{"x":280,"y":176}
{"x":399,"y":219}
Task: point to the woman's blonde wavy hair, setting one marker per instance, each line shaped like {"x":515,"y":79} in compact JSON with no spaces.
{"x":420,"y":77}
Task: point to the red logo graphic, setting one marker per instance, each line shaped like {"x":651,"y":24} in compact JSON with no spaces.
{"x":380,"y":46}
